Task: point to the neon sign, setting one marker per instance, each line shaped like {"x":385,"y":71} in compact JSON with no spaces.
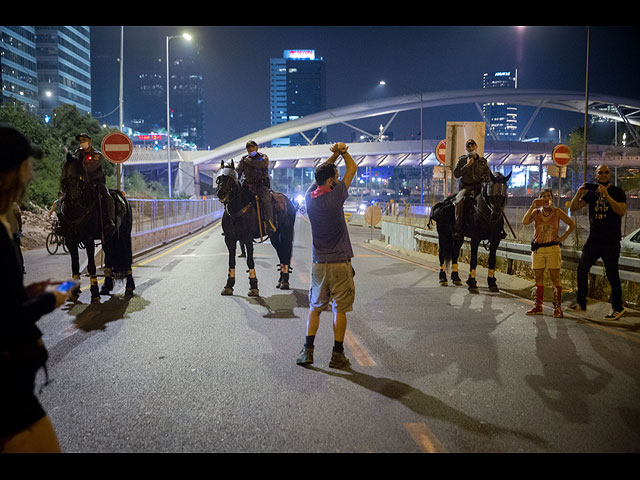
{"x":150,"y":137}
{"x":300,"y":54}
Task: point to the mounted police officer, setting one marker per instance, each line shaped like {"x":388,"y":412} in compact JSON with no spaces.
{"x":253,"y":173}
{"x":92,"y":161}
{"x":472,"y":170}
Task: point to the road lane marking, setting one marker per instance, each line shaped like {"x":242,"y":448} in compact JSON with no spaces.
{"x":360,"y":354}
{"x":425,"y":438}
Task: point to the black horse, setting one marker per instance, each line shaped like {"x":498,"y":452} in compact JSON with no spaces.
{"x":482,"y":222}
{"x":240,"y":223}
{"x":81,"y":224}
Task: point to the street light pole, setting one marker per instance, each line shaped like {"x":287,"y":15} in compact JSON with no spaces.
{"x":187,"y":37}
{"x":586,"y":108}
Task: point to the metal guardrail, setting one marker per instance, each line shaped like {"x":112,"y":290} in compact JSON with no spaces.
{"x":629,"y":267}
{"x":150,"y":215}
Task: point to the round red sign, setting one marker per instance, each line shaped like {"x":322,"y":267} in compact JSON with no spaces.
{"x":441,"y":150}
{"x":117,"y":147}
{"x":561,"y":155}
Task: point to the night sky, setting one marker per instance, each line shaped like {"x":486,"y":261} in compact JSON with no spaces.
{"x":236,"y":68}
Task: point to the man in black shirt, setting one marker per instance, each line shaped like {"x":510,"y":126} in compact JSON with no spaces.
{"x":607,"y":205}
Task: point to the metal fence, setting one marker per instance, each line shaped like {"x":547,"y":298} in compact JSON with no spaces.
{"x":150,"y":215}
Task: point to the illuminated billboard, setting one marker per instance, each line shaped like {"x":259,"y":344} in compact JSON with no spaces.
{"x":300,"y":54}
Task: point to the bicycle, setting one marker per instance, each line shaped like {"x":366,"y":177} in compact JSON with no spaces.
{"x":54,"y":240}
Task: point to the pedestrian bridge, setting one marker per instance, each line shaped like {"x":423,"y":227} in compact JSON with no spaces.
{"x":407,"y":153}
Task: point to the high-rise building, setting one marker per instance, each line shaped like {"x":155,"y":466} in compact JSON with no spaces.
{"x":146,"y":110}
{"x":18,"y":66}
{"x":502,"y":118}
{"x":64,"y":67}
{"x":297,"y":88}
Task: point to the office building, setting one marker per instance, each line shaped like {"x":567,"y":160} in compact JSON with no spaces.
{"x":18,"y":66}
{"x":501,"y":118}
{"x":297,"y":89}
{"x":64,"y":67}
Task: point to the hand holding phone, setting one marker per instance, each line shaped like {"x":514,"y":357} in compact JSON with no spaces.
{"x":541,"y":202}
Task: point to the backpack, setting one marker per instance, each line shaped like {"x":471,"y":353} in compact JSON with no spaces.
{"x":442,"y":210}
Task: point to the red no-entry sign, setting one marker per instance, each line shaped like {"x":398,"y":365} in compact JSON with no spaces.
{"x":561,"y":155}
{"x":441,"y":150}
{"x":117,"y":147}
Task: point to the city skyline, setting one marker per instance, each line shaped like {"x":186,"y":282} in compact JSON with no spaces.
{"x":408,"y":58}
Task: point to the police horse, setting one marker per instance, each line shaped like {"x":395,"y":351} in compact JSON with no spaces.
{"x":240,"y":223}
{"x":483,"y":221}
{"x":81,"y":224}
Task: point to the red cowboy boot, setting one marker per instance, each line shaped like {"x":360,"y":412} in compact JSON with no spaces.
{"x":557,"y":301}
{"x":537,"y":308}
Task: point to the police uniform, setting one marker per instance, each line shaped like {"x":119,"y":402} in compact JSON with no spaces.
{"x":92,"y":161}
{"x":253,"y":172}
{"x":471,"y":179}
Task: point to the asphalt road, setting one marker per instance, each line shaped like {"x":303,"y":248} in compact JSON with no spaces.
{"x":180,"y":368}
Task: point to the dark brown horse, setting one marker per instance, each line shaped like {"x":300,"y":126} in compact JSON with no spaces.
{"x":81,"y":224}
{"x":240,"y":223}
{"x":484,"y":221}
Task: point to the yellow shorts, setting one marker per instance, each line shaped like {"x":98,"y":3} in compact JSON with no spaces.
{"x":332,"y":283}
{"x":547,"y":257}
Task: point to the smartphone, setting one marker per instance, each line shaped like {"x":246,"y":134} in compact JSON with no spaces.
{"x":64,"y":287}
{"x":592,"y":187}
{"x":541,"y":202}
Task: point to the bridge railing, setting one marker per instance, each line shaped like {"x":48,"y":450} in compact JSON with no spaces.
{"x":156,"y":222}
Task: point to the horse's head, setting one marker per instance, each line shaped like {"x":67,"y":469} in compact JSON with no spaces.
{"x":495,"y":193}
{"x":73,"y":178}
{"x":226,"y":181}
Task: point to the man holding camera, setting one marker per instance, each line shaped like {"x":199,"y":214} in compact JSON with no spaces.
{"x":607,"y":205}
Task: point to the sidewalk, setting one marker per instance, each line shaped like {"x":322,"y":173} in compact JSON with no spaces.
{"x":521,"y":287}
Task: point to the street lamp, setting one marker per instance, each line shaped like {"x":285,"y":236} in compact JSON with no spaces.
{"x":586,"y":110}
{"x":382,"y":82}
{"x":559,"y":134}
{"x":187,"y":37}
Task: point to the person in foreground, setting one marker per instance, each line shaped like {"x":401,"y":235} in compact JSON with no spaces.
{"x":331,"y":272}
{"x":24,"y":425}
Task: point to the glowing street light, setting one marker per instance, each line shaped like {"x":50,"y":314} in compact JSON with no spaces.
{"x":187,"y":37}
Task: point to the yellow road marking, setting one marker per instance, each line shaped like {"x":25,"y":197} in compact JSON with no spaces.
{"x":359,"y":353}
{"x":425,"y":438}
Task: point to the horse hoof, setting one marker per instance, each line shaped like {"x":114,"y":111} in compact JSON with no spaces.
{"x":128,"y":291}
{"x":227,"y":291}
{"x":494,"y":288}
{"x":254,"y":292}
{"x":473,"y":290}
{"x":105,"y":291}
{"x":284,"y":286}
{"x":444,"y":283}
{"x":95,"y":300}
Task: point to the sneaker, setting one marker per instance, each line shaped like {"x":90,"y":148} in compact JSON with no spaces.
{"x":306,"y":356}
{"x":614,"y":315}
{"x":338,"y":360}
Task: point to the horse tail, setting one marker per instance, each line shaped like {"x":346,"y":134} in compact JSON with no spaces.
{"x":288,"y":232}
{"x":122,"y":254}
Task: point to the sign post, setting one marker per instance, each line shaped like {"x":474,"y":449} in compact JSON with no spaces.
{"x":117,"y":148}
{"x":561,"y":156}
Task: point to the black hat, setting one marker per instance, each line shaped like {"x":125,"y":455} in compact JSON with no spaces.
{"x":251,"y":143}
{"x":85,"y":135}
{"x":470,"y":141}
{"x":14,"y":148}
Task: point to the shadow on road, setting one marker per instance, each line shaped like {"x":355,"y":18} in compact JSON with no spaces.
{"x":427,"y":405}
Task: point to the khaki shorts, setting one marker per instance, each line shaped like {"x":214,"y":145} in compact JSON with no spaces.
{"x":332,"y":283}
{"x":547,"y":257}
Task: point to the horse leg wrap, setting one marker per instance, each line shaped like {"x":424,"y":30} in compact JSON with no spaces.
{"x":95,"y":294}
{"x":253,"y":287}
{"x":231,"y":281}
{"x":454,"y":274}
{"x":442,"y":279}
